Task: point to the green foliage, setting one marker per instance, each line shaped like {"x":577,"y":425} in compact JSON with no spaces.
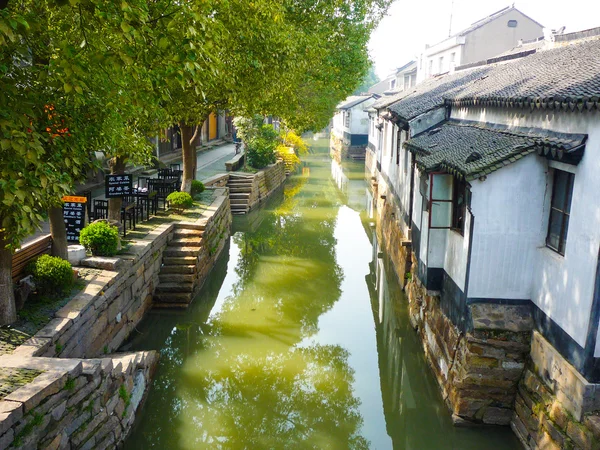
{"x":51,"y":275}
{"x":261,"y":141}
{"x":58,"y":348}
{"x":368,"y":80}
{"x":291,"y":139}
{"x":180,"y":200}
{"x":27,"y":429}
{"x":124,"y":395}
{"x":70,"y":384}
{"x":100,"y":238}
{"x":197,"y":187}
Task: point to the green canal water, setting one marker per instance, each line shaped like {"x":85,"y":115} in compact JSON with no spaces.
{"x":299,"y":339}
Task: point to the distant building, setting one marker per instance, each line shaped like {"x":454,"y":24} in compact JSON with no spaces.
{"x":349,"y":135}
{"x":484,"y":39}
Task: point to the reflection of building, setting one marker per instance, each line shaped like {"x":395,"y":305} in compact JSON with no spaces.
{"x":349,"y":134}
{"x":349,"y":179}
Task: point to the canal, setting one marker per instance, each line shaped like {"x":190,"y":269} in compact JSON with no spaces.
{"x":299,"y":339}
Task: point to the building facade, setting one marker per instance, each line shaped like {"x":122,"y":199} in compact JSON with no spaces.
{"x":484,"y":39}
{"x":484,"y":183}
{"x":349,"y":133}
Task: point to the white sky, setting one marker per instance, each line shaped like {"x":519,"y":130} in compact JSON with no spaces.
{"x":413,"y":23}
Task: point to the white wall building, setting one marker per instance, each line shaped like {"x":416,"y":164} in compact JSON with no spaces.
{"x":484,"y":39}
{"x":495,"y":171}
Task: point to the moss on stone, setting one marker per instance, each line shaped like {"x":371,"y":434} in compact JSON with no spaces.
{"x":13,"y":379}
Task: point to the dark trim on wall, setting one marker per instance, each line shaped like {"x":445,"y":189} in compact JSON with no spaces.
{"x":454,"y":303}
{"x":435,"y":278}
{"x":593,"y":364}
{"x":470,"y":251}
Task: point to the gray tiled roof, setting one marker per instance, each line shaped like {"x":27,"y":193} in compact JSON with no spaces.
{"x":470,"y":150}
{"x":353,"y":101}
{"x":431,"y":93}
{"x":566,"y":77}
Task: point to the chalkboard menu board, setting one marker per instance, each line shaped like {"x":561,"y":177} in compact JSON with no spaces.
{"x":118,"y":185}
{"x":74,"y":215}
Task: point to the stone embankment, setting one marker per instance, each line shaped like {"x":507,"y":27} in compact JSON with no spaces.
{"x":191,"y":254}
{"x":247,"y":190}
{"x":58,"y":396}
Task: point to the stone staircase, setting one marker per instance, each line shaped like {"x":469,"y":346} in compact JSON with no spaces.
{"x":240,"y":190}
{"x":181,"y":262}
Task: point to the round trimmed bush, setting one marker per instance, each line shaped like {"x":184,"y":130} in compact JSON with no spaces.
{"x":100,"y":238}
{"x":51,"y":275}
{"x":197,"y":187}
{"x":180,"y":200}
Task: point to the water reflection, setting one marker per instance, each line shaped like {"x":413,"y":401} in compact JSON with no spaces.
{"x":284,"y":350}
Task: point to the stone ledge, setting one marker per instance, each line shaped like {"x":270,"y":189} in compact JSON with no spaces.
{"x":102,"y":262}
{"x":576,"y":394}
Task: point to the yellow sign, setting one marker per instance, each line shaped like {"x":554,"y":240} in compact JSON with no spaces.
{"x":74,"y":199}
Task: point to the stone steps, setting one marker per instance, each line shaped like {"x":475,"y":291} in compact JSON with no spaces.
{"x":181,"y":269}
{"x":175,"y":278}
{"x":187,"y":232}
{"x":238,"y":201}
{"x":186,"y":242}
{"x":179,"y":261}
{"x":171,"y":288}
{"x":181,"y":251}
{"x":239,"y":195}
{"x":173,"y":299}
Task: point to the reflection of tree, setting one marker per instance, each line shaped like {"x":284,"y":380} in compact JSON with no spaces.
{"x":239,"y":381}
{"x":296,"y":399}
{"x":289,"y":262}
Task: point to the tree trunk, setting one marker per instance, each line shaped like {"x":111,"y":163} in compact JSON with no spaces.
{"x":189,"y":157}
{"x":117,"y":166}
{"x":8,"y":309}
{"x":58,"y":232}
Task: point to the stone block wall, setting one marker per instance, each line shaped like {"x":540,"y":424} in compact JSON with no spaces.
{"x":74,"y":403}
{"x":216,"y":225}
{"x":478,"y":371}
{"x":265,"y":182}
{"x":556,"y":407}
{"x":335,"y":148}
{"x":218,"y":180}
{"x":101,"y":317}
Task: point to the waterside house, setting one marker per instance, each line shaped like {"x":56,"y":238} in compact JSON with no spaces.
{"x":485,"y":186}
{"x":350,"y":127}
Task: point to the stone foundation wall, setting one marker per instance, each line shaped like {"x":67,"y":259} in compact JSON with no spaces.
{"x":389,"y":233}
{"x":478,"y":371}
{"x":556,"y":408}
{"x":74,"y":403}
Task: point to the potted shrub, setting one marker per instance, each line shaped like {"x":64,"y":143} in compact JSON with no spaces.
{"x":51,"y":275}
{"x":180,"y":200}
{"x":197,"y":187}
{"x":100,"y":238}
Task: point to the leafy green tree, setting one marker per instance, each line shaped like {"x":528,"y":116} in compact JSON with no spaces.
{"x":369,"y":80}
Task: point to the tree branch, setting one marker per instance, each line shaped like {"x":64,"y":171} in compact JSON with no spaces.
{"x":195,"y":135}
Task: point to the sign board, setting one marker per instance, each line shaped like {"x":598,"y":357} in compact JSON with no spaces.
{"x":118,"y":185}
{"x":72,"y":198}
{"x":74,"y":216}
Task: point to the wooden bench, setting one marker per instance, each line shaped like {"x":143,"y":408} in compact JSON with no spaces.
{"x":234,"y":163}
{"x":28,"y":253}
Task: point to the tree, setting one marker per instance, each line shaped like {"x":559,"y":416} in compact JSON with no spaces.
{"x":369,"y":80}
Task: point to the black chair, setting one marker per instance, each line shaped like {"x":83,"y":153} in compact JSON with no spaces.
{"x":160,"y":188}
{"x":100,"y":209}
{"x":138,"y":208}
